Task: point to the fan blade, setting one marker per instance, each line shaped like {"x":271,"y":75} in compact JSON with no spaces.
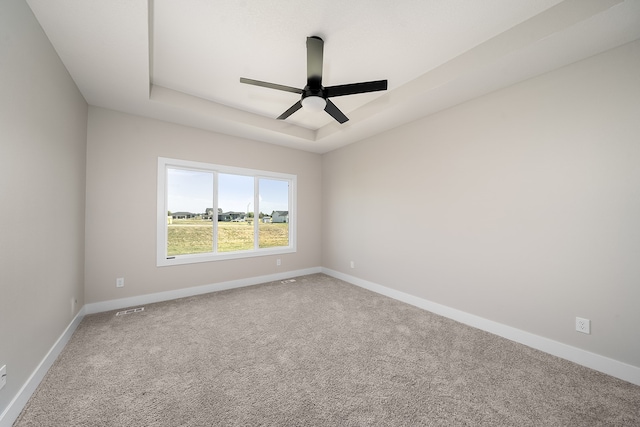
{"x":354,"y":88}
{"x":315,"y":47}
{"x":335,"y":112}
{"x":270,"y":85}
{"x":295,"y":107}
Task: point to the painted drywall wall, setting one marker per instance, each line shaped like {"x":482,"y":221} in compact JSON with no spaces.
{"x":43,"y":127}
{"x":122,"y":161}
{"x":521,"y":206}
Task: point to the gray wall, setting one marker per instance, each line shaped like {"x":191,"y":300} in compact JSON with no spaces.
{"x":521,"y":206}
{"x":43,"y":127}
{"x":122,"y":163}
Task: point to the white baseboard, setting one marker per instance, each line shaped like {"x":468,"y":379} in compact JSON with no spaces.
{"x":12,"y":411}
{"x":582,"y":357}
{"x":117,"y":304}
{"x":594,"y":361}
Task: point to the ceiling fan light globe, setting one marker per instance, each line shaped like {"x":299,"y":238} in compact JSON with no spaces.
{"x":314,"y":103}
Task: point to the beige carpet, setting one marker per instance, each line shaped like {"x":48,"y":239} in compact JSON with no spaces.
{"x":316,"y":352}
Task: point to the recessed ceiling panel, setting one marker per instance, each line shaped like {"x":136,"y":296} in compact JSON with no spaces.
{"x":181,"y":60}
{"x":203,"y":48}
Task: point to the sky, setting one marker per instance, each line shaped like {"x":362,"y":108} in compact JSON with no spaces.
{"x":192,"y":191}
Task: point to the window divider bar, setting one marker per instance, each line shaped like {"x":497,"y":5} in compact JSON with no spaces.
{"x":214,"y":240}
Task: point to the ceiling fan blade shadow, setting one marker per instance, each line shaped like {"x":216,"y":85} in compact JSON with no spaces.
{"x":315,"y":49}
{"x":355,"y":88}
{"x":295,"y":107}
{"x":335,"y":112}
{"x":270,"y":85}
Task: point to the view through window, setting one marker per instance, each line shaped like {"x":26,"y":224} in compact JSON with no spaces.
{"x":208,"y":212}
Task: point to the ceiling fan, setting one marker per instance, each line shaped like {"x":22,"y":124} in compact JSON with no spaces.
{"x":315,"y":97}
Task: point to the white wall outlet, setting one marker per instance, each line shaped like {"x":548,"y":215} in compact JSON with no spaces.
{"x":353,"y":264}
{"x":583,"y":325}
{"x":278,"y":261}
{"x":120,"y":282}
{"x":3,"y":376}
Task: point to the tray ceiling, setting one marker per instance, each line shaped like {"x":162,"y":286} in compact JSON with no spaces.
{"x":181,"y":60}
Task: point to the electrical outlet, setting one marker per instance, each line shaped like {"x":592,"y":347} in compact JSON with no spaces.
{"x":353,"y":264}
{"x":120,"y":282}
{"x":583,"y":325}
{"x":3,"y":376}
{"x":278,"y":262}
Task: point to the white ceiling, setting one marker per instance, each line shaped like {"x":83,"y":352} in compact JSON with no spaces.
{"x":181,"y":60}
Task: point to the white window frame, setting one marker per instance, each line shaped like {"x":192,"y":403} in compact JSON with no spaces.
{"x":163,"y":259}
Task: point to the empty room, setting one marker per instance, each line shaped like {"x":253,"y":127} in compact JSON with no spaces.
{"x":320,"y":212}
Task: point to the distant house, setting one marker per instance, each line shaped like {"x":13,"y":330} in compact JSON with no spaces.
{"x":280,"y":216}
{"x":183,"y":215}
{"x":230,"y":216}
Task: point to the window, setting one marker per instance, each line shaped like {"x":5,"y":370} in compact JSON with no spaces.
{"x":210,"y":212}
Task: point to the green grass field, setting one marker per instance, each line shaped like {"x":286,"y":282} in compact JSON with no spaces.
{"x":196,"y":236}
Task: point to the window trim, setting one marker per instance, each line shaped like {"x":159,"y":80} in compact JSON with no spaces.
{"x":163,"y":260}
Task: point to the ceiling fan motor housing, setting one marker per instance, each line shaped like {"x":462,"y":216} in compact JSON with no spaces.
{"x":319,"y":92}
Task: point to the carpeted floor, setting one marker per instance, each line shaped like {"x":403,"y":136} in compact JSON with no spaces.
{"x":316,"y":352}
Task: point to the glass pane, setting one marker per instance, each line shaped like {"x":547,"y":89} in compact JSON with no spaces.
{"x":190,"y":202}
{"x":235,"y":200}
{"x":274,"y":213}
